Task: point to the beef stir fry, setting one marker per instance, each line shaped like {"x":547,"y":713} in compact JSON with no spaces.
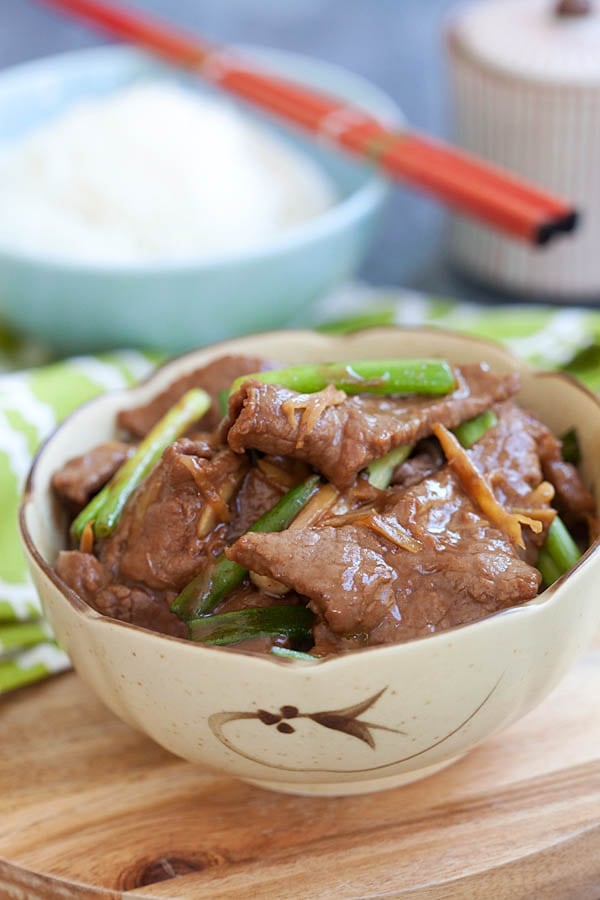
{"x":322,"y":508}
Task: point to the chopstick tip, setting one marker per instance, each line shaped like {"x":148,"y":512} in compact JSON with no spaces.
{"x":551,"y":228}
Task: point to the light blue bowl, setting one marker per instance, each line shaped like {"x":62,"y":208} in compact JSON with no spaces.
{"x":81,"y":307}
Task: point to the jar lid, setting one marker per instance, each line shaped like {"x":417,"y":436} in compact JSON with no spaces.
{"x":554,"y":41}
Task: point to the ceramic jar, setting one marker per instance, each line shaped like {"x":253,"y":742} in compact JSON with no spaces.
{"x":525,"y":80}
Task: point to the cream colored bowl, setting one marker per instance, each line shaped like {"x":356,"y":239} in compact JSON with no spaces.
{"x":366,"y":721}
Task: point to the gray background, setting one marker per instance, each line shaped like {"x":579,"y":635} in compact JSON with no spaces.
{"x":398,"y":44}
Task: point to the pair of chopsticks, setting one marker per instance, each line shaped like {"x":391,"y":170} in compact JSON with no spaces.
{"x":468,"y":185}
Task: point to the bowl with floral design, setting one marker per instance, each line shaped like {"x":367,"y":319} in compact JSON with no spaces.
{"x":351,"y":722}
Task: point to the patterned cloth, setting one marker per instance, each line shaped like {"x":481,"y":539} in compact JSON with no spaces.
{"x":34,"y":400}
{"x":32,"y":403}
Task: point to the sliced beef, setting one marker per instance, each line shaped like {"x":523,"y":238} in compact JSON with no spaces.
{"x":89,"y":579}
{"x":176,"y":520}
{"x":370,"y":589}
{"x":373,"y":592}
{"x":139,"y":607}
{"x":198,"y":444}
{"x":195,"y":500}
{"x":82,"y":572}
{"x":347,"y":436}
{"x":508,"y":455}
{"x":264,"y":484}
{"x":375,"y":566}
{"x":214,"y":378}
{"x":83,"y":476}
{"x":426,"y":459}
{"x":573,"y":501}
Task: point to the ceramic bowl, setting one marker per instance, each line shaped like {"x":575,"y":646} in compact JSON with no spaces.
{"x":365,"y":721}
{"x":171,"y":306}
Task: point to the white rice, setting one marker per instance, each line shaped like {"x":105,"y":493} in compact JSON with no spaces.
{"x":154,"y":172}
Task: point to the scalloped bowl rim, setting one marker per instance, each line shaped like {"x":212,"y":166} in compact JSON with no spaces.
{"x":178,"y":365}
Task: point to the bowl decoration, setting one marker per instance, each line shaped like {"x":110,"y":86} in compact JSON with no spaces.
{"x":79,"y":306}
{"x":355,"y":722}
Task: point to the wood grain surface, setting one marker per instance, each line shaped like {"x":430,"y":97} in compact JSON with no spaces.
{"x":89,"y":808}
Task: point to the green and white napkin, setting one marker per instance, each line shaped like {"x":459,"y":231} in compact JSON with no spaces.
{"x":551,"y":337}
{"x":33,"y":400}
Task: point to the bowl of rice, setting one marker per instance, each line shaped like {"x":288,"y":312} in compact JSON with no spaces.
{"x":142,"y":208}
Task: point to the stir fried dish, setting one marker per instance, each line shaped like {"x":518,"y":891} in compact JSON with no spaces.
{"x":322,"y":508}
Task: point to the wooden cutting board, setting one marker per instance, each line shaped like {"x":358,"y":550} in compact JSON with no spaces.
{"x":89,"y":808}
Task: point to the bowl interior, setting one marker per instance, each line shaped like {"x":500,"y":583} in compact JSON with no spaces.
{"x":559,"y":401}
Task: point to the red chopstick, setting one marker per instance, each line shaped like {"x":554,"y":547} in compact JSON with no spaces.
{"x":465,"y":183}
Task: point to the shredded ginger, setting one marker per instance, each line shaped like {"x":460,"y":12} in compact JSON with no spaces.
{"x":479,"y":490}
{"x":312,"y":406}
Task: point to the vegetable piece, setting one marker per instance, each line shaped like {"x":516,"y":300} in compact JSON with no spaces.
{"x":294,"y":622}
{"x":392,"y":530}
{"x":559,"y":553}
{"x":206,"y":590}
{"x":311,"y":406}
{"x":223,"y":400}
{"x":570,"y":447}
{"x":396,"y":376}
{"x":479,"y":490}
{"x":548,"y":568}
{"x":380,"y":471}
{"x":286,"y":653}
{"x":317,"y":507}
{"x":87,"y":515}
{"x":105,"y":508}
{"x":561,"y":546}
{"x":472,"y":430}
{"x":86,"y":543}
